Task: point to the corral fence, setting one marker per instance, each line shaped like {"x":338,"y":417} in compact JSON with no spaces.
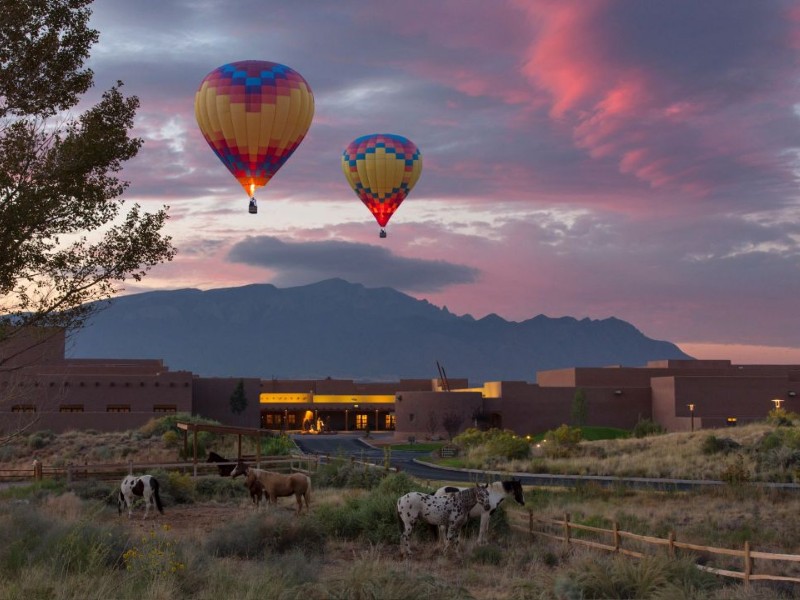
{"x":570,"y":533}
{"x":110,"y":471}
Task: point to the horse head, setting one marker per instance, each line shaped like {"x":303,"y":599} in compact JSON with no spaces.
{"x":483,"y":496}
{"x":239,"y":469}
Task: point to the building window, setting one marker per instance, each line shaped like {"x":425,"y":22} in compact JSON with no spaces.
{"x":731,"y":421}
{"x":70,"y":408}
{"x":361,"y":421}
{"x":389,"y":423}
{"x":118,"y":408}
{"x":271,"y":419}
{"x":23,"y":408}
{"x":292,"y":419}
{"x":165,"y":408}
{"x":411,"y":417}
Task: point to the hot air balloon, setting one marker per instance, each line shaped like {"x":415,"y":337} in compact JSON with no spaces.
{"x":382,"y":168}
{"x":254,"y":114}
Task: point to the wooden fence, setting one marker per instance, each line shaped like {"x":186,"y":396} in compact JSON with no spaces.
{"x":110,"y":471}
{"x":574,"y":533}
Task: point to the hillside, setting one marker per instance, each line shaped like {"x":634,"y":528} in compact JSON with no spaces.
{"x":338,"y":329}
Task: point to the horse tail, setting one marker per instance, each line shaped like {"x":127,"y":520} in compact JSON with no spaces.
{"x":154,"y":485}
{"x":307,"y":495}
{"x":120,"y":500}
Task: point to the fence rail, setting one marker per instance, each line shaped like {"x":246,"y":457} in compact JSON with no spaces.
{"x":565,"y":529}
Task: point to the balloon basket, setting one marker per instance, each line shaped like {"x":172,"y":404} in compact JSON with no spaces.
{"x":383,"y":233}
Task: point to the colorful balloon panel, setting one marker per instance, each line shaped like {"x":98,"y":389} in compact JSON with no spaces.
{"x":254,"y":114}
{"x":382,"y":168}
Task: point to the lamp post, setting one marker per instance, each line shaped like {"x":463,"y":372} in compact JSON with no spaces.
{"x":691,"y":414}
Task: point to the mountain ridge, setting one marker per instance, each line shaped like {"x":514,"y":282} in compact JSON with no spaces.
{"x":333,"y":328}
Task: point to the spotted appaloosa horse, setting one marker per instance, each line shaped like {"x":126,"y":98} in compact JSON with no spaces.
{"x":497,"y":493}
{"x":145,"y":487}
{"x":449,"y":511}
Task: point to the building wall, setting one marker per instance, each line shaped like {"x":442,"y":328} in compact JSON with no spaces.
{"x":211,"y":398}
{"x":414,"y":412}
{"x":31,"y":346}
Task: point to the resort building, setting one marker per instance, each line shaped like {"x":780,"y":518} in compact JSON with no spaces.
{"x":41,"y":389}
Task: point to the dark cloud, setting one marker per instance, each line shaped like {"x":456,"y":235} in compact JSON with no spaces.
{"x":296,"y":263}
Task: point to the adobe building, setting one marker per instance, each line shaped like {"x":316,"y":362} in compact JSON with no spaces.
{"x":41,"y":389}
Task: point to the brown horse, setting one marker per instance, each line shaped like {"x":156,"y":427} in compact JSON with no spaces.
{"x":277,"y":485}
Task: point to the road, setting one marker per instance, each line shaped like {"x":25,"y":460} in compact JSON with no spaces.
{"x":413,"y":463}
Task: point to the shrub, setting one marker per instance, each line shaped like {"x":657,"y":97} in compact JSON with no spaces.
{"x":179,"y":487}
{"x":646,"y":427}
{"x":342,"y":473}
{"x":714,"y":445}
{"x":218,"y":488}
{"x":497,"y":443}
{"x":561,"y":442}
{"x":736,"y":473}
{"x":256,"y":537}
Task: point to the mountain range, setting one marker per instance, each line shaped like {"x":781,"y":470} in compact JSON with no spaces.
{"x":344,"y":330}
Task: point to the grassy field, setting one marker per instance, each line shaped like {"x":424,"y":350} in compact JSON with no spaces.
{"x":67,"y":541}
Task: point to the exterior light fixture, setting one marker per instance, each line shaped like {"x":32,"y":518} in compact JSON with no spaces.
{"x":792,"y":393}
{"x":777,"y":402}
{"x":618,"y":392}
{"x":691,"y":414}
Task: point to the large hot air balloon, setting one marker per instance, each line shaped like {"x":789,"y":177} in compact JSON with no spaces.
{"x":382,"y":168}
{"x":254,"y":114}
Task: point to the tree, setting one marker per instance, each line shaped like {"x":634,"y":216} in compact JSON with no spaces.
{"x":238,"y":399}
{"x":580,"y":411}
{"x":433,"y":424}
{"x":66,"y":245}
{"x":451,"y":421}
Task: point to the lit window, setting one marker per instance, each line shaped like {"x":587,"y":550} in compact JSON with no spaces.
{"x":118,"y":408}
{"x":361,"y":421}
{"x":731,"y":421}
{"x":389,"y":423}
{"x":70,"y":408}
{"x":164,"y":408}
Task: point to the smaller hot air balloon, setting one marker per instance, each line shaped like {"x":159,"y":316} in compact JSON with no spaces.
{"x":254,"y":114}
{"x":382,"y":168}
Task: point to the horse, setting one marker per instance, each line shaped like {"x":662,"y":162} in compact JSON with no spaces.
{"x":449,"y":511}
{"x":256,"y":491}
{"x":277,"y":484}
{"x":145,"y":487}
{"x":498,"y":491}
{"x":224,"y":470}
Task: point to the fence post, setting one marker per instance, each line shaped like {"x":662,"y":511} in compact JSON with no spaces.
{"x":130,"y":467}
{"x":566,"y":531}
{"x":748,"y":563}
{"x":69,"y":474}
{"x":616,"y":537}
{"x":37,"y":469}
{"x":671,"y":546}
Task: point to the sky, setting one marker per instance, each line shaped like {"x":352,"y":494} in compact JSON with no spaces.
{"x":583,"y":158}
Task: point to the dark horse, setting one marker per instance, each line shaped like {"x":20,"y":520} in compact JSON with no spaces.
{"x":224,"y":470}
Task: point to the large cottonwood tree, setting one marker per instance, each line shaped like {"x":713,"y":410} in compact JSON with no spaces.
{"x":65,"y":240}
{"x":66,"y":244}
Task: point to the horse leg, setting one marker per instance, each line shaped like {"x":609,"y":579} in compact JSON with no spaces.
{"x":483,"y":532}
{"x":299,"y":498}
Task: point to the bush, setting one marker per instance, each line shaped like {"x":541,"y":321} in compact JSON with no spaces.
{"x":498,"y":443}
{"x":218,"y":488}
{"x":561,"y":442}
{"x":714,"y":445}
{"x":257,"y":537}
{"x":736,"y":473}
{"x":647,"y":427}
{"x":342,"y":473}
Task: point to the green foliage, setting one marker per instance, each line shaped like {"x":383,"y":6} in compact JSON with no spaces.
{"x":281,"y":445}
{"x":257,"y":537}
{"x":579,"y":411}
{"x":647,"y":427}
{"x":179,"y":487}
{"x":714,"y":445}
{"x":65,"y":241}
{"x":171,"y":439}
{"x":238,"y":401}
{"x":498,"y":443}
{"x":561,"y":442}
{"x":735,"y":473}
{"x":780,"y":417}
{"x":218,"y":489}
{"x":343,"y":473}
{"x":40,"y":439}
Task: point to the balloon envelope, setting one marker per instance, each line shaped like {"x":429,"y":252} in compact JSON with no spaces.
{"x":382,"y":168}
{"x":254,"y":114}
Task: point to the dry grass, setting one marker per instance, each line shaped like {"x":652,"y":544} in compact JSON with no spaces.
{"x":672,"y":455}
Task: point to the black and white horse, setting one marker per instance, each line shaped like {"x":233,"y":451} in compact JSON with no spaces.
{"x":145,"y":487}
{"x":497,"y":493}
{"x":449,"y":511}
